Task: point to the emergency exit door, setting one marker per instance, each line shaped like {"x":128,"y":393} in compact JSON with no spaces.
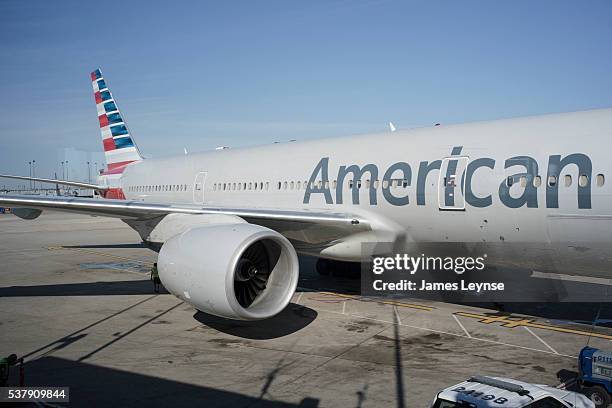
{"x":451,"y":184}
{"x":198,"y":187}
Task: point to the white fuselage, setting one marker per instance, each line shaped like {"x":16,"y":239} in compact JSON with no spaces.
{"x":555,"y":212}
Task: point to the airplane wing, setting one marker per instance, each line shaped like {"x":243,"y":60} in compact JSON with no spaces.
{"x":53,"y":181}
{"x":137,"y":210}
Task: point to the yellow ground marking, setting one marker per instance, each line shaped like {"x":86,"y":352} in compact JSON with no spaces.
{"x":522,"y":322}
{"x":385,"y":302}
{"x":105,"y":254}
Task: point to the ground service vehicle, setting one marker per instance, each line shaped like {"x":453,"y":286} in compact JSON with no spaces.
{"x":595,"y":377}
{"x":481,"y":392}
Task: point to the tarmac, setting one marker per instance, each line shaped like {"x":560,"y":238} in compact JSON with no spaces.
{"x":77,"y":303}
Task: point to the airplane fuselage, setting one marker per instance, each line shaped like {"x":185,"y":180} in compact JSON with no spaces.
{"x":531,"y":192}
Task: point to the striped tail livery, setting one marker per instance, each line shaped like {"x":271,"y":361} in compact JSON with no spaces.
{"x":119,"y":147}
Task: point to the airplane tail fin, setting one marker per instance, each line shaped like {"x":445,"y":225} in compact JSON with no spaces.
{"x":119,"y":146}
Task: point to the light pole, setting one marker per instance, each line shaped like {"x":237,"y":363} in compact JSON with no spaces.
{"x":30,"y":165}
{"x":88,"y":172}
{"x":34,"y":172}
{"x":67,"y":171}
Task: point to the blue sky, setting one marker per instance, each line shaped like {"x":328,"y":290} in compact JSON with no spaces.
{"x":205,"y":74}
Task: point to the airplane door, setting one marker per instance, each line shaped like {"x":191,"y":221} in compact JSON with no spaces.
{"x":198,"y":188}
{"x":451,"y":183}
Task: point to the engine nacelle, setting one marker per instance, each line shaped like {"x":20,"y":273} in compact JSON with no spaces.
{"x":239,"y":271}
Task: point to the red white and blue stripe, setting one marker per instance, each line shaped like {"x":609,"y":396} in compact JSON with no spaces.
{"x":119,"y":147}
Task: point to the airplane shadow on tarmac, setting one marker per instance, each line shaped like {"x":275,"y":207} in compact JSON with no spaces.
{"x":106,"y":246}
{"x":97,"y":386}
{"x":292,"y":319}
{"x":100,"y":288}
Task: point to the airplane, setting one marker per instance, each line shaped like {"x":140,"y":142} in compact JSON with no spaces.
{"x":228,"y":224}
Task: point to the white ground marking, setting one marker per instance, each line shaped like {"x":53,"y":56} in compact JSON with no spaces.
{"x":344,"y":307}
{"x":299,"y":298}
{"x":455,"y":334}
{"x":399,"y":321}
{"x":542,"y":341}
{"x":462,"y":327}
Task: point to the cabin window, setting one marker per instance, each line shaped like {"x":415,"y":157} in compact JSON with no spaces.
{"x":537,"y":181}
{"x":299,"y":185}
{"x":350,"y":183}
{"x":334,"y":184}
{"x":279,"y":185}
{"x":583,"y":180}
{"x":367,"y":183}
{"x":267,"y":185}
{"x":385,"y":183}
{"x":261,"y":185}
{"x":568,"y":180}
{"x":523,"y":181}
{"x":224,"y":186}
{"x":376,"y":184}
{"x":285,"y":185}
{"x":552,"y":181}
{"x":320,"y":183}
{"x":509,"y":181}
{"x":600,"y":180}
{"x":305,"y":184}
{"x":327,"y":185}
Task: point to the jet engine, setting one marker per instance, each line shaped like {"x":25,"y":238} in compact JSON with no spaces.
{"x":239,"y":271}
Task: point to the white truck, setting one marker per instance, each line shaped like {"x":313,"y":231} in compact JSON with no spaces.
{"x":481,"y":392}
